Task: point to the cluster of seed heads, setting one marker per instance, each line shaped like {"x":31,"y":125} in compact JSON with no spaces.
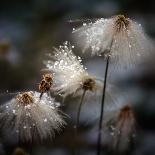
{"x":118,"y":37}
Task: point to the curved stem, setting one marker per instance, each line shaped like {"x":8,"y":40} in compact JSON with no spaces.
{"x":102,"y":107}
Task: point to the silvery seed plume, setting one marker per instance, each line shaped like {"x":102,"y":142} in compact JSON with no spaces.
{"x":120,"y":37}
{"x":31,"y":118}
{"x":69,"y":74}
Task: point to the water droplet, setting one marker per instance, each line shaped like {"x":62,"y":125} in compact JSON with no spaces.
{"x":130,"y":46}
{"x":14,"y":111}
{"x":24,"y":127}
{"x":84,"y":24}
{"x":45,"y":120}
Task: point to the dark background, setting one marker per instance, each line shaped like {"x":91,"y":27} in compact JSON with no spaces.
{"x":29,"y":29}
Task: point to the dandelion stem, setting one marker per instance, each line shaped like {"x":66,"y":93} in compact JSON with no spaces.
{"x":78,"y":116}
{"x":102,"y":107}
{"x":41,"y":94}
{"x":79,"y":109}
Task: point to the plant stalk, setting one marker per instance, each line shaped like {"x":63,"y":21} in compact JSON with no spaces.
{"x":102,"y":107}
{"x":79,"y":109}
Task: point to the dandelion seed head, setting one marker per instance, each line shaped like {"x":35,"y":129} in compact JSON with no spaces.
{"x":31,"y":117}
{"x":120,"y":37}
{"x":69,"y":73}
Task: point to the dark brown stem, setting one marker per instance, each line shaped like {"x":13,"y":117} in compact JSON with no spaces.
{"x":41,"y":94}
{"x":102,"y":107}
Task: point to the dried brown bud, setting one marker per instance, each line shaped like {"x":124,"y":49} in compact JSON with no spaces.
{"x":46,"y":83}
{"x":48,"y":78}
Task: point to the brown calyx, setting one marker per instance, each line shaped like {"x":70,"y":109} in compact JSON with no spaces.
{"x":89,"y":84}
{"x":46,"y":83}
{"x":126,"y":113}
{"x":25,"y":98}
{"x":48,"y":77}
{"x":121,"y":22}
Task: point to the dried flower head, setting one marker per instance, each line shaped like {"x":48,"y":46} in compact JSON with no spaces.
{"x":119,"y":37}
{"x":45,"y":84}
{"x":124,"y":128}
{"x":30,"y":117}
{"x":68,"y":71}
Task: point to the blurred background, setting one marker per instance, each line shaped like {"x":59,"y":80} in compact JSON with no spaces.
{"x":30,"y":28}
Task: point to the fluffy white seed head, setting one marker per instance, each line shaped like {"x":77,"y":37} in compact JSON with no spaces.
{"x":69,"y":73}
{"x":31,"y":118}
{"x":119,"y":37}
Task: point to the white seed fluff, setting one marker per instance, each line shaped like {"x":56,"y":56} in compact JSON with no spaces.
{"x":127,"y":47}
{"x":36,"y":120}
{"x":69,"y":73}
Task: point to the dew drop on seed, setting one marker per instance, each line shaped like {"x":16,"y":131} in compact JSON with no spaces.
{"x":45,"y":120}
{"x":14,"y":111}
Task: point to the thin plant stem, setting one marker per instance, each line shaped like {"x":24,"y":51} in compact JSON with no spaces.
{"x":41,"y":94}
{"x":79,"y":109}
{"x":102,"y":107}
{"x":78,"y":119}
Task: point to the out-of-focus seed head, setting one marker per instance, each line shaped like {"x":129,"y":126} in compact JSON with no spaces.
{"x":19,"y":151}
{"x":125,"y":129}
{"x":125,"y":112}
